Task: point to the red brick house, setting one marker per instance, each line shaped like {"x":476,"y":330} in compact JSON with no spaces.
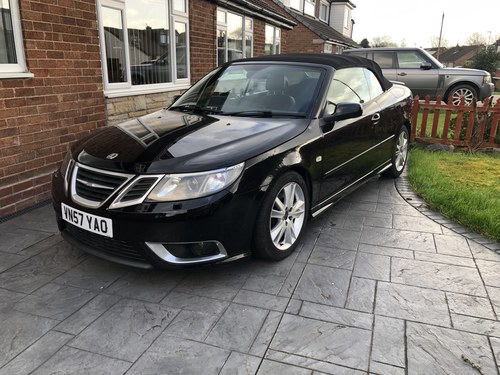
{"x":70,"y":66}
{"x":323,"y":26}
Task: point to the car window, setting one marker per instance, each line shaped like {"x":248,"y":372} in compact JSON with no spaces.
{"x":410,"y":59}
{"x":383,"y":59}
{"x":348,"y":85}
{"x":373,"y":84}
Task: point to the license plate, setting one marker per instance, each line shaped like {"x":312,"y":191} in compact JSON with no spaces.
{"x":92,"y":223}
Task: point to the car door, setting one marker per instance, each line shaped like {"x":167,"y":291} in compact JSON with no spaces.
{"x":417,"y":72}
{"x":349,"y":146}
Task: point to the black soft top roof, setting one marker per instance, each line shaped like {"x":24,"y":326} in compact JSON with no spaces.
{"x":335,"y":61}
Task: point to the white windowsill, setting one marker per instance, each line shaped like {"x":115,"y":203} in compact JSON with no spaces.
{"x":11,"y":75}
{"x":143,"y":91}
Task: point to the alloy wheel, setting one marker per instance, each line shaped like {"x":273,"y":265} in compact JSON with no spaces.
{"x":287,"y":216}
{"x":464,"y":92}
{"x":401,"y":153}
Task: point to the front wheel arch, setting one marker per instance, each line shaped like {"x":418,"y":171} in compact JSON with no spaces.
{"x":462,"y":85}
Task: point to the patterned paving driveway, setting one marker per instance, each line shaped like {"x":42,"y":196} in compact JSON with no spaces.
{"x":376,"y":287}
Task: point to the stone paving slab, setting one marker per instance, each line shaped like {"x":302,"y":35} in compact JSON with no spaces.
{"x":379,"y":285}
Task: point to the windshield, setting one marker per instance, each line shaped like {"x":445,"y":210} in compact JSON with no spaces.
{"x":254,"y":89}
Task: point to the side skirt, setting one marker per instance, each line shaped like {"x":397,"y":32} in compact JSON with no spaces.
{"x":334,"y":198}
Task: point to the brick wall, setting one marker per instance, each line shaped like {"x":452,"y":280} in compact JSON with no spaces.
{"x":41,"y":116}
{"x":202,"y":23}
{"x":301,"y":40}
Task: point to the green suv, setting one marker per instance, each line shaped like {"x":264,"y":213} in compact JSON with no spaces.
{"x":424,"y":75}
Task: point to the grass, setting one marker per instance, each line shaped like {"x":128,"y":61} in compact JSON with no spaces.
{"x":463,"y":187}
{"x":430,"y":119}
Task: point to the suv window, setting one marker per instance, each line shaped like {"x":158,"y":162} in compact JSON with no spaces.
{"x":384,"y":59}
{"x":410,"y":60}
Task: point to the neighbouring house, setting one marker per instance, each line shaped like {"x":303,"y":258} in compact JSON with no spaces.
{"x":71,"y":66}
{"x":323,"y":26}
{"x":459,"y":55}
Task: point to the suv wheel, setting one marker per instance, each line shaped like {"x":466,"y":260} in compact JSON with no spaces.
{"x":462,"y":91}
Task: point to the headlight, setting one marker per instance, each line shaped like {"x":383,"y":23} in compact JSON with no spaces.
{"x":194,"y":185}
{"x":487,"y":78}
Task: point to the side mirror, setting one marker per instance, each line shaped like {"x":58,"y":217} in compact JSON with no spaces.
{"x":343,"y":111}
{"x":426,"y":66}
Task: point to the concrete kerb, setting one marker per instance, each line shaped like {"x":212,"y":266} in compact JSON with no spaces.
{"x":408,"y":194}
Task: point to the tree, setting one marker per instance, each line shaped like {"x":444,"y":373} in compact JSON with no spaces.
{"x":434,"y":41}
{"x":487,"y":59}
{"x":402,"y":43}
{"x":365,"y":43}
{"x":476,"y":39}
{"x":383,"y":41}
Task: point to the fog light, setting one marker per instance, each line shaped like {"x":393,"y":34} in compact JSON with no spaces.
{"x":192,"y":250}
{"x":189,"y":252}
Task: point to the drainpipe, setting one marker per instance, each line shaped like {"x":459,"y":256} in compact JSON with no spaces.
{"x":329,"y":13}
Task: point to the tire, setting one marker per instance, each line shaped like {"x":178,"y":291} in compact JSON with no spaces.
{"x":466,"y":91}
{"x":282,"y":217}
{"x":399,"y":154}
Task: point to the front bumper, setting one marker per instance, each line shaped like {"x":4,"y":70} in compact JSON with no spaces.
{"x":213,"y":229}
{"x":486,"y":91}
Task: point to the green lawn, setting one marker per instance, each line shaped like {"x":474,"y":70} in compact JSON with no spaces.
{"x":463,"y":187}
{"x":430,"y":121}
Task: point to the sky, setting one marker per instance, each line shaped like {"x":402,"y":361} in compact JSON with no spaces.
{"x":418,"y":21}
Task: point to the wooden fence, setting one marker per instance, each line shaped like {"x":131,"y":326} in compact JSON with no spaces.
{"x":462,"y":125}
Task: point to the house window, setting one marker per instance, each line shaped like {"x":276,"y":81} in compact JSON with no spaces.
{"x":304,"y":6}
{"x":323,"y":12}
{"x":272,"y":40}
{"x":347,"y":18}
{"x":145,"y":45}
{"x":234,"y":36}
{"x":309,"y":7}
{"x":296,"y":4}
{"x":12,"y":62}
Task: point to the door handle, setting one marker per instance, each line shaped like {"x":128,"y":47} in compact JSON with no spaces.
{"x":402,"y":74}
{"x":376,"y":118}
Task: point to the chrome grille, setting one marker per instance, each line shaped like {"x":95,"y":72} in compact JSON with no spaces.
{"x":91,"y":187}
{"x":138,"y":189}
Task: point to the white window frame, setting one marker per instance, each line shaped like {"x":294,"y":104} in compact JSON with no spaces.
{"x":19,"y":69}
{"x":323,"y":4}
{"x":223,"y":26}
{"x":310,"y":7}
{"x":275,"y":38}
{"x":347,"y":18}
{"x":119,"y":89}
{"x":296,"y":4}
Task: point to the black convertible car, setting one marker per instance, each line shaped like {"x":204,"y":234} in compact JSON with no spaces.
{"x":236,"y":165}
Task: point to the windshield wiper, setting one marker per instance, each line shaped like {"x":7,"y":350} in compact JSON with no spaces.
{"x":194,"y":108}
{"x":251,"y":113}
{"x":258,"y":113}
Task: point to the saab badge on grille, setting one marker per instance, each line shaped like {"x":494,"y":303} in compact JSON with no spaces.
{"x":112,"y":156}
